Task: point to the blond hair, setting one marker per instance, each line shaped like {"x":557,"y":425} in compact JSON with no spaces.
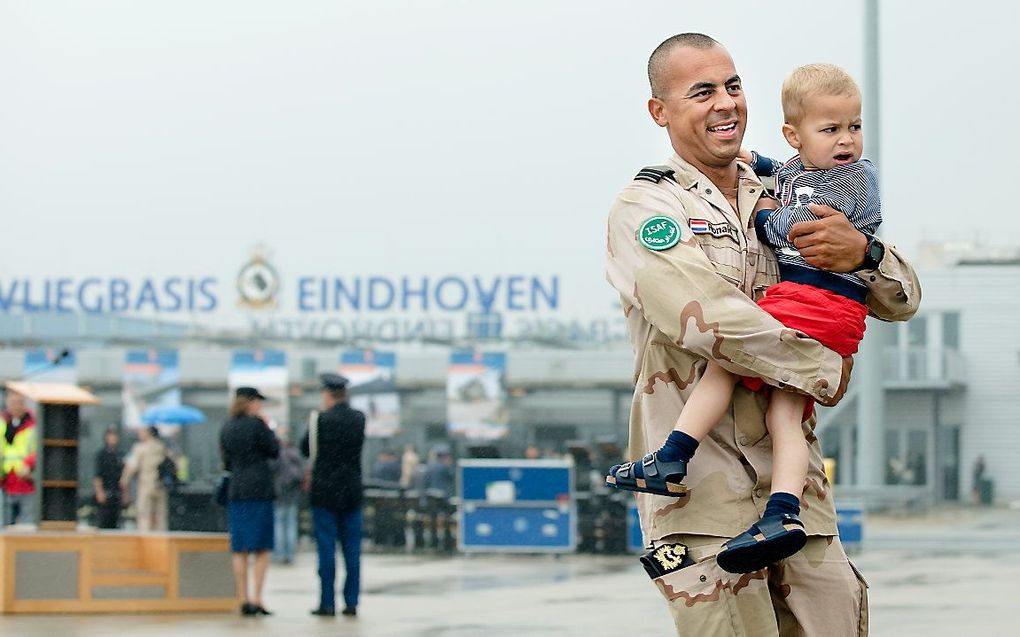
{"x":238,"y":406}
{"x":812,"y":80}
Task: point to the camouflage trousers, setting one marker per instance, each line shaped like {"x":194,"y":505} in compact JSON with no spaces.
{"x":815,"y":592}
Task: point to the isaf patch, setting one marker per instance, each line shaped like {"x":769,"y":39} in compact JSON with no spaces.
{"x":666,"y":559}
{"x":659,"y":233}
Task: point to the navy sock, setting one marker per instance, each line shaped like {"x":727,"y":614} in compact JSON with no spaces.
{"x":780,"y":503}
{"x":678,"y":446}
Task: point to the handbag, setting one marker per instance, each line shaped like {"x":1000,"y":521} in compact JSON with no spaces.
{"x":222,"y":493}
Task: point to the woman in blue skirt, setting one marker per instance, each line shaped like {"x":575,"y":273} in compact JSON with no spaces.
{"x":247,"y":446}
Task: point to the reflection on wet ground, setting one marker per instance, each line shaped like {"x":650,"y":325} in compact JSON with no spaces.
{"x":952,"y":573}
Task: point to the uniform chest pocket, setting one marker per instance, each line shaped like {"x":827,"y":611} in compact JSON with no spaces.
{"x":725,"y":254}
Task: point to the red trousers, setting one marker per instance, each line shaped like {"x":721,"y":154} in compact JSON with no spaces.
{"x":831,"y":319}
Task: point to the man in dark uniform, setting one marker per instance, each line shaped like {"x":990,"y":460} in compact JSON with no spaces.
{"x":334,"y":446}
{"x":109,"y":467}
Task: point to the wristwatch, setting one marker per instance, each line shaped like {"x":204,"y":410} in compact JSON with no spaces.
{"x":873,"y":253}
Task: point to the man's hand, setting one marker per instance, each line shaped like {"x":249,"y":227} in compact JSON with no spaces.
{"x":100,"y":496}
{"x":844,"y":381}
{"x":832,"y":243}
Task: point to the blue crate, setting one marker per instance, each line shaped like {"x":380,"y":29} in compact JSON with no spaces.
{"x":537,"y":483}
{"x":516,"y":506}
{"x":850,"y":524}
{"x":635,"y":544}
{"x":523,"y":528}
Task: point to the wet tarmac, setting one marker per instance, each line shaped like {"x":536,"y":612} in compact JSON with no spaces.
{"x":953,"y":573}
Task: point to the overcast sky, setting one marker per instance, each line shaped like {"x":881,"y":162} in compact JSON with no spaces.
{"x":421,"y":136}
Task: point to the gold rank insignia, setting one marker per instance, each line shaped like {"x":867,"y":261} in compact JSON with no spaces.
{"x":670,"y":556}
{"x":665,"y":559}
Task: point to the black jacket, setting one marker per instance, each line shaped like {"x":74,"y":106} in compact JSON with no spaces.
{"x":109,"y":468}
{"x":336,"y":474}
{"x":247,"y":445}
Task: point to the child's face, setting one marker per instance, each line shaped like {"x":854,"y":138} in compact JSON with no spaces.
{"x":829,"y":134}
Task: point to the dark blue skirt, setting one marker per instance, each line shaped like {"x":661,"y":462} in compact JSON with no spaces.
{"x":251,"y":525}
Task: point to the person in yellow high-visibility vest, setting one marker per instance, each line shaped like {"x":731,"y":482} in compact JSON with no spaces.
{"x":18,"y":449}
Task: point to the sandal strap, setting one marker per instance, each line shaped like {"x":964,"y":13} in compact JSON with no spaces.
{"x":650,"y":466}
{"x":744,"y":539}
{"x":775,"y":525}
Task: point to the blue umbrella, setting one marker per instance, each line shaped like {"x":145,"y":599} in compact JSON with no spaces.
{"x":172,"y":415}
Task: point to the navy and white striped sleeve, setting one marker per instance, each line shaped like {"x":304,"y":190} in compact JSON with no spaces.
{"x":850,"y":189}
{"x":764,"y":166}
{"x":853,"y":190}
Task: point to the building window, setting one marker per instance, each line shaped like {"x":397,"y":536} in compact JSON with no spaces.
{"x":917,"y":331}
{"x":951,"y":330}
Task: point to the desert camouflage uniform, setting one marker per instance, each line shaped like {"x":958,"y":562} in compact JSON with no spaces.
{"x":692,"y":302}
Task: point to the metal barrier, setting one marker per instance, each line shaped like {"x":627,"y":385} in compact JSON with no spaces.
{"x":398,"y":519}
{"x":407,"y":520}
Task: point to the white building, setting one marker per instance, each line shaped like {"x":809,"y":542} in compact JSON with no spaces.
{"x":952,"y":386}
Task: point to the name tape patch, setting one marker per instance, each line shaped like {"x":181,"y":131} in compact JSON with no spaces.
{"x":722,"y":229}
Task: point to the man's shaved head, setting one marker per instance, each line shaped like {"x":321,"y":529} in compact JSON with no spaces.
{"x":657,"y":61}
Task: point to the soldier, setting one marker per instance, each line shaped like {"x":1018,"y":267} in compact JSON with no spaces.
{"x":683,"y":254}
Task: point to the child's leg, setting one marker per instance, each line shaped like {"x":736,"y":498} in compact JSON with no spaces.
{"x":780,"y":533}
{"x":789,"y":448}
{"x":703,"y":410}
{"x":707,"y":403}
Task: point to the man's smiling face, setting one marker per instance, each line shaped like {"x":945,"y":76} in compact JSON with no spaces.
{"x":702,"y":106}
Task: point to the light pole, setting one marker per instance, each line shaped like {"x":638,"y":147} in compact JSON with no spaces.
{"x":868,"y":372}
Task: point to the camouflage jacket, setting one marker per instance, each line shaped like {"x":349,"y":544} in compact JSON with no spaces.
{"x":687,"y":284}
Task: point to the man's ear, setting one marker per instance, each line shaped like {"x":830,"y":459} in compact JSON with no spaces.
{"x":657,"y":109}
{"x":792,"y":138}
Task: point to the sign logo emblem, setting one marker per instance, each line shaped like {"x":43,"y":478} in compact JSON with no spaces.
{"x":258,"y":282}
{"x":659,"y":233}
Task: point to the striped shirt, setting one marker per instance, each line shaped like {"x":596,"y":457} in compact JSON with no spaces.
{"x":852,"y":189}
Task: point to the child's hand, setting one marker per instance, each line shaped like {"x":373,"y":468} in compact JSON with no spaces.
{"x":744,"y":155}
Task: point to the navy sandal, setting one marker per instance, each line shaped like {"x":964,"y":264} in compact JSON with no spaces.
{"x":778,"y":537}
{"x":661,"y":478}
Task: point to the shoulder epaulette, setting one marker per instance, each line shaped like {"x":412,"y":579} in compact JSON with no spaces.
{"x":655,"y":174}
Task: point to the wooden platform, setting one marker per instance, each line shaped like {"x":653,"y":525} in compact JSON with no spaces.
{"x":114,"y":572}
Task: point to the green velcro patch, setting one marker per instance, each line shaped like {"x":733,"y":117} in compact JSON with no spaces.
{"x":659,"y":233}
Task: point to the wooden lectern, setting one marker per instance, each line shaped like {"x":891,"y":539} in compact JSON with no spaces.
{"x":63,"y":570}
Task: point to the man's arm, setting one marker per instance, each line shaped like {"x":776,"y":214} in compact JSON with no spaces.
{"x":97,"y":485}
{"x":270,"y":445}
{"x":97,"y":481}
{"x":894,"y":292}
{"x":224,"y":456}
{"x":130,"y":468}
{"x":679,"y":292}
